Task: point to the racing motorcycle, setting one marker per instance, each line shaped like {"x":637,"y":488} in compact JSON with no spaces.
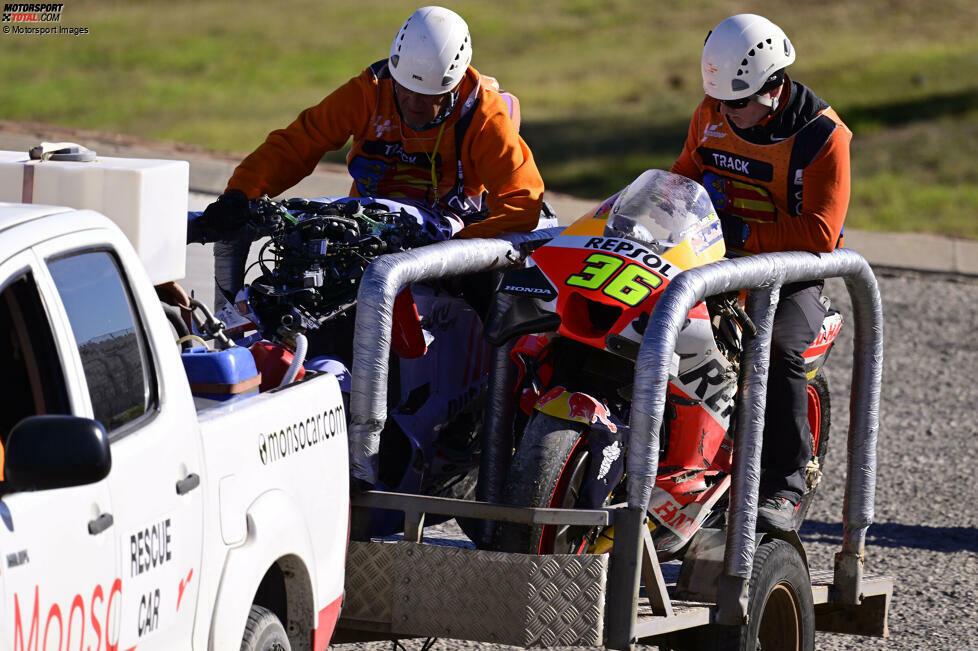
{"x":579,"y":309}
{"x":310,"y":262}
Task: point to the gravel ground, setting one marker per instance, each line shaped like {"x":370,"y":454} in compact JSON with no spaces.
{"x":925,"y":533}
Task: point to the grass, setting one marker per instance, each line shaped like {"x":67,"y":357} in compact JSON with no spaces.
{"x":607,"y":88}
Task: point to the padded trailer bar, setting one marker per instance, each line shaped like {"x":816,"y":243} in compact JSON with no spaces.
{"x":849,"y":602}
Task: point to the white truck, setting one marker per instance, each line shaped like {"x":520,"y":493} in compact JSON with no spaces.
{"x":128,"y":518}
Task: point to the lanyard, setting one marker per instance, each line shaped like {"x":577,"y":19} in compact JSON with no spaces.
{"x":431,"y":159}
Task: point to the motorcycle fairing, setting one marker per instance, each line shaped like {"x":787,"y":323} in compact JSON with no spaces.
{"x":407,"y":335}
{"x":679,"y":522}
{"x":599,"y":292}
{"x":436,"y":392}
{"x":704,"y":374}
{"x":576,"y":406}
{"x":816,"y":354}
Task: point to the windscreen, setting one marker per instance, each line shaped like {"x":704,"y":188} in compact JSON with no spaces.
{"x":661,"y":209}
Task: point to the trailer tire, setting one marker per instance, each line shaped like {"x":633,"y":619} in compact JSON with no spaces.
{"x":264,"y":632}
{"x":780,"y":613}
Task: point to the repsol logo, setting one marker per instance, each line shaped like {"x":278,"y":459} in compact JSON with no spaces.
{"x":296,"y":437}
{"x":629,"y":250}
{"x":724,"y":160}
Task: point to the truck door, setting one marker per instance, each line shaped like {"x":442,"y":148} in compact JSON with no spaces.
{"x":60,"y":585}
{"x":155,"y":445}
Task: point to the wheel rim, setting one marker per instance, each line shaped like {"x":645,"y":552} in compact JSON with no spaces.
{"x":780,"y":626}
{"x":567,"y":539}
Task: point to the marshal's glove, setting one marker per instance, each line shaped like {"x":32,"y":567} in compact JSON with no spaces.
{"x":735,"y":231}
{"x":229,"y":213}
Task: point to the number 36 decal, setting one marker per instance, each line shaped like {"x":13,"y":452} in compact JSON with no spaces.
{"x":630,"y":285}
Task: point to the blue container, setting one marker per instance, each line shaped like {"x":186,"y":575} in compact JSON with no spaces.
{"x":220,"y":374}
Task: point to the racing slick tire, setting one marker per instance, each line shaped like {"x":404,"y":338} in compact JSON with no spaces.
{"x":548,"y":470}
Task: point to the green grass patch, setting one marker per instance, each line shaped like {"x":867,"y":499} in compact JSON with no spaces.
{"x":607,"y":88}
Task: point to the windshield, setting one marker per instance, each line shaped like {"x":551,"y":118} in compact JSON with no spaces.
{"x":661,"y":209}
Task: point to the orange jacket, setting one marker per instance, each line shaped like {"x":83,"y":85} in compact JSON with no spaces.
{"x":788,"y":178}
{"x":389,"y":159}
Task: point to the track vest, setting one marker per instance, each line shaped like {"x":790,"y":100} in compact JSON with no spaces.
{"x":392,"y":160}
{"x":758,"y":174}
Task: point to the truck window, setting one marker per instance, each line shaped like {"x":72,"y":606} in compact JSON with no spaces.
{"x":110,"y":339}
{"x":33,"y":380}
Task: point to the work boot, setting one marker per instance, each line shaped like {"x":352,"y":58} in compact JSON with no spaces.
{"x":775,"y":514}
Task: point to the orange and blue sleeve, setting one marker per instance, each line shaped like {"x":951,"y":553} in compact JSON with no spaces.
{"x":503,"y":162}
{"x":288,"y":155}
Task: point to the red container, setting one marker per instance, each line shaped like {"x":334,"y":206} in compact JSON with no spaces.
{"x":273,"y":361}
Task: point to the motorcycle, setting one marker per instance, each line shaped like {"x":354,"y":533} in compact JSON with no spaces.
{"x":305,"y":298}
{"x":578,"y":311}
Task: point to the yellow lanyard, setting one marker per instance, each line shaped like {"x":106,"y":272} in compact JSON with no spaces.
{"x":431,"y":159}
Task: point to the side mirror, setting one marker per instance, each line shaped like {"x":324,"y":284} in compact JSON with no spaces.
{"x":44,"y":452}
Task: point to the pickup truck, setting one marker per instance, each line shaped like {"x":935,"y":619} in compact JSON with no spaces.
{"x":128,"y":518}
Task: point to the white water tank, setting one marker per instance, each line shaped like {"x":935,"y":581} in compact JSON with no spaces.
{"x":147,"y":198}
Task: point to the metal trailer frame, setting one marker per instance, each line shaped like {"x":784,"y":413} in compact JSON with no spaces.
{"x":715,"y":589}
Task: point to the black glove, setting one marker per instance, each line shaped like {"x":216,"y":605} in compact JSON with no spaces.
{"x":735,"y":231}
{"x":229,"y":213}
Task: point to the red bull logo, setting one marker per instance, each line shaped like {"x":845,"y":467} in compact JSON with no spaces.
{"x":575,"y":406}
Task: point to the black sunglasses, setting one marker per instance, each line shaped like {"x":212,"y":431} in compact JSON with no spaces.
{"x":737,"y":103}
{"x":772,"y":82}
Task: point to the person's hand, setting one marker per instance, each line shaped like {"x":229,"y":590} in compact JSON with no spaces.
{"x":229,"y":213}
{"x":735,"y":231}
{"x":173,"y":294}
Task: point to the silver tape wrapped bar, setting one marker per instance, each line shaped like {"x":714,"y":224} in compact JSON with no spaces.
{"x":864,"y":401}
{"x":745,"y":482}
{"x":230,"y":257}
{"x":379,"y":286}
{"x":769,"y":271}
{"x":497,"y":430}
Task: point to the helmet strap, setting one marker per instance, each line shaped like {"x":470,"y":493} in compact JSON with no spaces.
{"x":776,"y":80}
{"x":770,"y":102}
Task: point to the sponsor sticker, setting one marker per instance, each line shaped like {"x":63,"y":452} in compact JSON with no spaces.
{"x":299,"y":436}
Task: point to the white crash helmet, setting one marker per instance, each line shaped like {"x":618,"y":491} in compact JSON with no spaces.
{"x":741,"y":54}
{"x":431,"y":51}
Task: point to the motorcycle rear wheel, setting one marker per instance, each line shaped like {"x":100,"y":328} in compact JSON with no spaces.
{"x":819,"y":420}
{"x":548,"y":470}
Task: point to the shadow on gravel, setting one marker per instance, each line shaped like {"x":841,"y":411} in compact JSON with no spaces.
{"x":892,"y":534}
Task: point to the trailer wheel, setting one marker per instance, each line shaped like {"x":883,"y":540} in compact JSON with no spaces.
{"x":264,"y":632}
{"x":780,"y":613}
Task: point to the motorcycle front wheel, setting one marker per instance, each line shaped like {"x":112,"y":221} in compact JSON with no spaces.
{"x":548,"y":470}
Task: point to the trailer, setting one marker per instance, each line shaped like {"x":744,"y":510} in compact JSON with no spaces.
{"x":733,"y":588}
